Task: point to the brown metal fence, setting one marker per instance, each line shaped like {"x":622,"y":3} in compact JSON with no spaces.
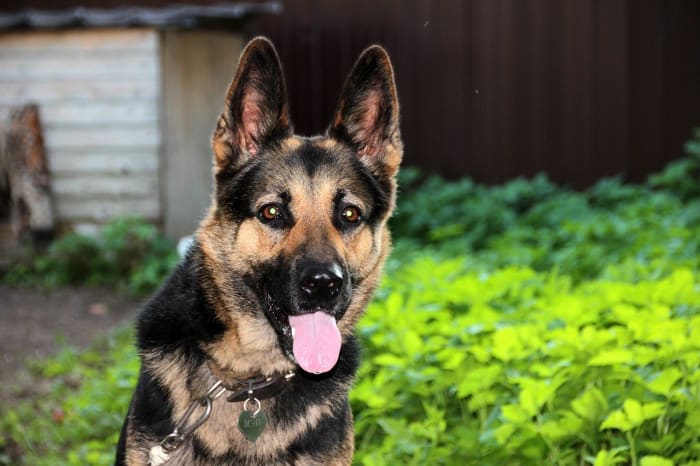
{"x":495,"y":89}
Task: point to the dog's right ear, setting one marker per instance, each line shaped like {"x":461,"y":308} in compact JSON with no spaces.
{"x":256,"y":112}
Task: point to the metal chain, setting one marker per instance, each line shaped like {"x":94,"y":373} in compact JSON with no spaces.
{"x":161,"y":452}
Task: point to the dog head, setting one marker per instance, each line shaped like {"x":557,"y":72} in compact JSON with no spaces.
{"x":298,"y":224}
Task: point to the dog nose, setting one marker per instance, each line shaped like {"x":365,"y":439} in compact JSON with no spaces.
{"x":321,"y":283}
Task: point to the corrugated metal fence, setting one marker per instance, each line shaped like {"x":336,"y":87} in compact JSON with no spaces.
{"x":495,"y":89}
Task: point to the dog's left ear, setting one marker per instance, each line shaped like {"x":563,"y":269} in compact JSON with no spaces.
{"x":256,"y":112}
{"x":367,"y":117}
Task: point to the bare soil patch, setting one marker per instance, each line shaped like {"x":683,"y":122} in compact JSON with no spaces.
{"x":35,"y":324}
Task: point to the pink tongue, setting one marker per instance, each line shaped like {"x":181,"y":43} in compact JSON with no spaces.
{"x":316,"y":341}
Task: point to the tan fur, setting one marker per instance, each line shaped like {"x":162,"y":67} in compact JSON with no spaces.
{"x":291,"y":144}
{"x":168,"y":370}
{"x":255,"y":350}
{"x":222,"y":141}
{"x":329,"y":144}
{"x":137,"y":448}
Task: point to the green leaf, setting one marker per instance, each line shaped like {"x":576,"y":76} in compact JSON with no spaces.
{"x":663,"y":382}
{"x":503,"y":433}
{"x":612,"y":357}
{"x":591,"y":405}
{"x":609,"y":457}
{"x":479,"y":380}
{"x":389,"y":360}
{"x":534,"y":394}
{"x":617,"y":420}
{"x":632,"y":415}
{"x":656,"y":461}
{"x":514,"y":413}
{"x":692,"y":420}
{"x":634,"y":412}
{"x":652,"y":410}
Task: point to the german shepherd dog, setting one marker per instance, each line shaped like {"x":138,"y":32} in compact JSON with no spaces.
{"x":247,"y":351}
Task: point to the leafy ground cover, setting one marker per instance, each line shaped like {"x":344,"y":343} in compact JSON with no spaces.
{"x":128,"y":253}
{"x":525,"y":324}
{"x":518,"y":367}
{"x":78,"y":422}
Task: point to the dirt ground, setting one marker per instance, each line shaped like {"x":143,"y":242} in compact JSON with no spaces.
{"x":35,"y":324}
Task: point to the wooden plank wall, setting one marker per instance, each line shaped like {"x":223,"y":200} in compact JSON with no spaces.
{"x":495,"y":89}
{"x":198,"y":66}
{"x":99,"y":97}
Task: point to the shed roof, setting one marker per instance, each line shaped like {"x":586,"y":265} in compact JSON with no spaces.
{"x":143,"y":13}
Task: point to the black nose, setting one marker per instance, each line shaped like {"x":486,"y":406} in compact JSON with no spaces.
{"x":321,"y":283}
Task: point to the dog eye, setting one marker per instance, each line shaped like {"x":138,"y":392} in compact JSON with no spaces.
{"x":351,"y":214}
{"x":270,"y":213}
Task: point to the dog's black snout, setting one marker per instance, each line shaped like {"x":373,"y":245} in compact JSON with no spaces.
{"x":321,"y":283}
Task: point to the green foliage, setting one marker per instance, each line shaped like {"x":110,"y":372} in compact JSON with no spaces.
{"x":519,"y":367}
{"x":682,"y":176}
{"x":129,"y":253}
{"x":612,"y":228}
{"x":524,"y":324}
{"x":79,"y":420}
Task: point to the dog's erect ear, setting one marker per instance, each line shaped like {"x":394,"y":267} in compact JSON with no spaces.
{"x":367,"y":117}
{"x":256,"y":112}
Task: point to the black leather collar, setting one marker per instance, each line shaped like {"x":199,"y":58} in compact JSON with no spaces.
{"x":258,"y":387}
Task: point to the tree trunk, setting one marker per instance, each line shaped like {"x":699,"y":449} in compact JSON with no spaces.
{"x":31,"y":211}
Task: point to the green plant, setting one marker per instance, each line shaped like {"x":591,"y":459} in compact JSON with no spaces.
{"x":537,"y":224}
{"x":78,"y":421}
{"x":136,"y":249}
{"x":682,"y":176}
{"x":129,"y":253}
{"x":519,"y":367}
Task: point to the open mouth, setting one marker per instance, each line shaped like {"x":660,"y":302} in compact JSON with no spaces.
{"x":315,"y":338}
{"x":316,"y":341}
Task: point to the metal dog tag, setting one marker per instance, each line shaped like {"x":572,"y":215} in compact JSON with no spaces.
{"x":252,"y":424}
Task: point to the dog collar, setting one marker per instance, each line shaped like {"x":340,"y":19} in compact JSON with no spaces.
{"x":261,"y":388}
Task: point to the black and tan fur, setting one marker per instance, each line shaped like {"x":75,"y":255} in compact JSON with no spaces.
{"x":226,"y":305}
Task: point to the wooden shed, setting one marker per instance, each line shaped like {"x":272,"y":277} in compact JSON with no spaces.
{"x":128,"y":98}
